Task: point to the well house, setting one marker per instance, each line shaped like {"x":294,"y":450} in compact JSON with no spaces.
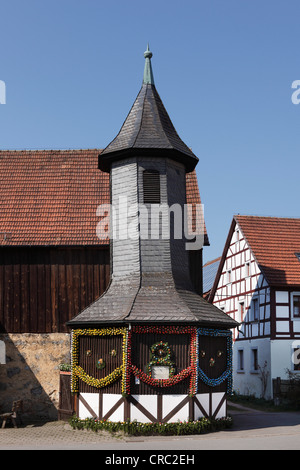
{"x":150,"y":348}
{"x":144,"y":343}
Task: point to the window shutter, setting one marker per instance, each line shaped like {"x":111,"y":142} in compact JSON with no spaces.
{"x":151,"y":187}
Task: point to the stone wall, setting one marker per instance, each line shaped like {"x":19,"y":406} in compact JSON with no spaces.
{"x":31,"y":372}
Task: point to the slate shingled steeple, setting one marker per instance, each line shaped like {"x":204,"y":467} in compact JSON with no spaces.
{"x":150,"y":276}
{"x":148,"y":129}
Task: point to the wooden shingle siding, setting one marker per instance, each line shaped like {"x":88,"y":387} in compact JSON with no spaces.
{"x":42,"y":288}
{"x":126,"y":258}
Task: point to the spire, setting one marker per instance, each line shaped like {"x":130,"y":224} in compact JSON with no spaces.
{"x":148,"y":74}
{"x":147,"y":129}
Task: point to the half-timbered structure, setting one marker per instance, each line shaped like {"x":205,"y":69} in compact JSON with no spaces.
{"x":258,"y":285}
{"x":150,"y":348}
{"x":52,"y":266}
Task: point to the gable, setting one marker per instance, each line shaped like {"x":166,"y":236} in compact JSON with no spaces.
{"x":275,"y":243}
{"x":238,"y":271}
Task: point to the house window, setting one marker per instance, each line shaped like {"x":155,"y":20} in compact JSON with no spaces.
{"x":296,"y":304}
{"x":255,"y":309}
{"x":254,"y":360}
{"x":247,"y":269}
{"x":241,"y":311}
{"x":229,"y":276}
{"x":151,"y":187}
{"x":240,"y":358}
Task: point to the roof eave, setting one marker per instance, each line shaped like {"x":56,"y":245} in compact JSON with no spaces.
{"x":105,"y":160}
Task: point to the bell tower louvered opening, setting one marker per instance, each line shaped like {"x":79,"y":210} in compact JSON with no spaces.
{"x":151,"y":187}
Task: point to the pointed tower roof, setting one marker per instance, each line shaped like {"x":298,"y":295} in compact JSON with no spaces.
{"x":148,"y":129}
{"x":148,"y":74}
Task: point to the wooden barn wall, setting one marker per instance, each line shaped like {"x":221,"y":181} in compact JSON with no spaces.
{"x":180,"y":347}
{"x":42,"y":288}
{"x":100,"y":347}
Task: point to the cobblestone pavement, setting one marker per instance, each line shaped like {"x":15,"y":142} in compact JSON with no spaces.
{"x":251,"y":430}
{"x":52,"y":435}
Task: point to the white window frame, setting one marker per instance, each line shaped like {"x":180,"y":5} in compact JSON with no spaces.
{"x":247,"y":269}
{"x":229,"y":276}
{"x":241,"y":361}
{"x":294,"y":294}
{"x":255,"y":299}
{"x":254,"y":370}
{"x":240,"y":317}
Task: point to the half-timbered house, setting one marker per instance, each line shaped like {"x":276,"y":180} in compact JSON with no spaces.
{"x":258,"y":285}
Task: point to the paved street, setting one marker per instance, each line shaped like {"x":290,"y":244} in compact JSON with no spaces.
{"x":252,"y":430}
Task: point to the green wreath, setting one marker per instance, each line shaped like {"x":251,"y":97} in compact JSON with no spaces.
{"x":161,"y":356}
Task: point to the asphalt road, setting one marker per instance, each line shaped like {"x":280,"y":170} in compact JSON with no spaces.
{"x":252,"y":430}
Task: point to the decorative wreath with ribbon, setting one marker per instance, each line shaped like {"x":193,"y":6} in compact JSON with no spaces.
{"x":161,"y":356}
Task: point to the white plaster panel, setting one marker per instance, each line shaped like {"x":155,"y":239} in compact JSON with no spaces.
{"x":203,"y":399}
{"x":296,"y":326}
{"x":282,"y":327}
{"x":255,"y":329}
{"x":93,"y":401}
{"x":267,"y":330}
{"x":170,"y":401}
{"x":254,"y":282}
{"x":118,"y":415}
{"x":147,"y":401}
{"x":282,"y":297}
{"x":264,"y":284}
{"x":197,"y":412}
{"x":216,"y":398}
{"x":181,"y":415}
{"x":261,"y":312}
{"x":109,"y":400}
{"x":137,"y":415}
{"x":282,"y":311}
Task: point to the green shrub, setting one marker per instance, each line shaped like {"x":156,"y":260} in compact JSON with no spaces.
{"x":203,"y":425}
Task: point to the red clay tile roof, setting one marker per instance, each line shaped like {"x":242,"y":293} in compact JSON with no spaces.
{"x":193,"y":197}
{"x":274,"y":242}
{"x":50,"y":197}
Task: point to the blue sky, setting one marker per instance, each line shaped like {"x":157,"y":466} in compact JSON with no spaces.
{"x":223,"y":68}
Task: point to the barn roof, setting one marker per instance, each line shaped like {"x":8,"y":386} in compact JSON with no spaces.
{"x":50,"y":197}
